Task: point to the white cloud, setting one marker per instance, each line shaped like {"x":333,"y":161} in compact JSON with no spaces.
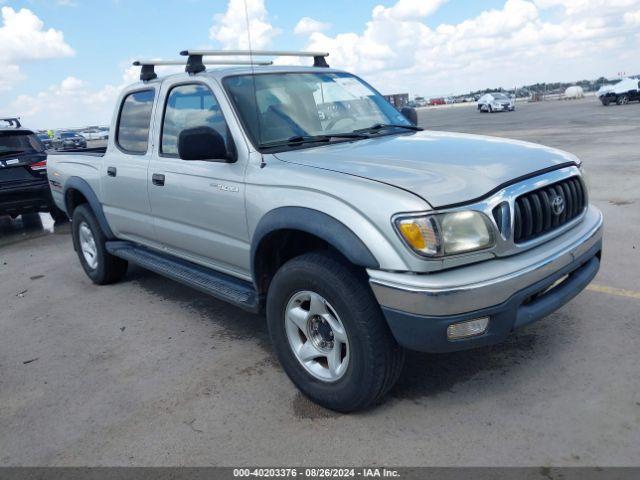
{"x":510,"y":46}
{"x":398,"y":50}
{"x":230,"y":28}
{"x":632,"y":18}
{"x":68,"y":104}
{"x":23,"y":38}
{"x":308,"y":25}
{"x":411,"y":9}
{"x":74,"y":102}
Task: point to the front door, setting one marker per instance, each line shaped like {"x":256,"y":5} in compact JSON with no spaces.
{"x":198,"y":206}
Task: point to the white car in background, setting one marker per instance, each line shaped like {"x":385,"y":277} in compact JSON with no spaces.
{"x":100,"y":133}
{"x":496,"y":102}
{"x":621,"y":93}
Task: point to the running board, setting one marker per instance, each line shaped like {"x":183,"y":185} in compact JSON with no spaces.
{"x":219,"y":285}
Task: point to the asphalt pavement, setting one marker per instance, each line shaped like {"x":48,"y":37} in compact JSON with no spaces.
{"x":148,"y":372}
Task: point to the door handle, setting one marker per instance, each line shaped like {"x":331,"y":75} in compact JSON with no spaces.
{"x":158,"y":179}
{"x":111,"y":171}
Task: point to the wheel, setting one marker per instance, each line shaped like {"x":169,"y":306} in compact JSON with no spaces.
{"x":622,"y":99}
{"x":58,"y":215}
{"x":89,"y":242}
{"x":605,"y":101}
{"x":329,"y":333}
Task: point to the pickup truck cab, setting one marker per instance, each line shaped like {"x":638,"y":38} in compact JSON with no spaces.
{"x":300,"y":192}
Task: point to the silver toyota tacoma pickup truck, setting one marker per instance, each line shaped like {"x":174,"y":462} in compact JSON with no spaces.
{"x":301,"y":193}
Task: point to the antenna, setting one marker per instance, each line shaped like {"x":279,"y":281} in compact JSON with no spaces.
{"x":148,"y":73}
{"x":196,"y":56}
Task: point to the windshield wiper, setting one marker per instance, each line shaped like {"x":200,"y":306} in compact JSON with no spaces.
{"x":302,"y":139}
{"x":385,"y":126}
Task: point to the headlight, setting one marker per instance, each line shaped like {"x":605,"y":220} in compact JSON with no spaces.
{"x":446,"y":234}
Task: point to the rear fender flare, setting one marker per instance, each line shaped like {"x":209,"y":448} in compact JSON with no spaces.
{"x":77,"y":183}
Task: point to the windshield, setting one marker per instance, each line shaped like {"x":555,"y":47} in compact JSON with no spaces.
{"x":307,"y":105}
{"x":12,"y":143}
{"x":500,"y":96}
{"x":68,"y":135}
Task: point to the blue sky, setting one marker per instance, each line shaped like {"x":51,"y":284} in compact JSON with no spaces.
{"x":427,"y":47}
{"x":106,"y":33}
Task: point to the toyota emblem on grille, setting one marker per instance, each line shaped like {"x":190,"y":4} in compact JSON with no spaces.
{"x":557,"y":205}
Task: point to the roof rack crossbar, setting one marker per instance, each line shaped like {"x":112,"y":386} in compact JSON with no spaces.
{"x":148,"y":73}
{"x":195,"y":56}
{"x":15,"y":121}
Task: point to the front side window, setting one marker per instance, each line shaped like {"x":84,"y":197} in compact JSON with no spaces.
{"x":190,"y":106}
{"x":134,"y":121}
{"x":307,"y":104}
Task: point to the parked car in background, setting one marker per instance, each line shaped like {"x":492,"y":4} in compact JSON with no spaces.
{"x":98,"y":133}
{"x":24,"y":187}
{"x":46,"y":141}
{"x":621,"y":93}
{"x":270,"y":208}
{"x":436,"y":101}
{"x":68,"y":141}
{"x":496,"y":102}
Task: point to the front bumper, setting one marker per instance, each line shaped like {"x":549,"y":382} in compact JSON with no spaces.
{"x":513,"y":291}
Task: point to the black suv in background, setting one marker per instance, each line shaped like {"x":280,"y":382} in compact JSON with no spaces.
{"x":68,"y":141}
{"x":24,"y":187}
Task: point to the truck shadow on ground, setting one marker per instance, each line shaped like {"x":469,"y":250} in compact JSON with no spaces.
{"x":424,"y":375}
{"x":233,"y":322}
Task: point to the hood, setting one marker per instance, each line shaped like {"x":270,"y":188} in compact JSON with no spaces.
{"x":443,"y":168}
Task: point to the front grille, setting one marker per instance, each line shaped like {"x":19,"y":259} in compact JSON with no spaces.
{"x":542,"y":211}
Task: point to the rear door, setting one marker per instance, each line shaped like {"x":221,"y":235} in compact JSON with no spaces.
{"x":198,"y":207}
{"x":123,"y":177}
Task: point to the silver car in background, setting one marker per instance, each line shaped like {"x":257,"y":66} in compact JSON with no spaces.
{"x":496,"y":102}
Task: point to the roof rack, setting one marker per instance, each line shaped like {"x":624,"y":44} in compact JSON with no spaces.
{"x":15,"y":121}
{"x":196,"y":65}
{"x":148,"y":72}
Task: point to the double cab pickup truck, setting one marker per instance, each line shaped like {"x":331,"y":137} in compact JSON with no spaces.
{"x":301,"y":193}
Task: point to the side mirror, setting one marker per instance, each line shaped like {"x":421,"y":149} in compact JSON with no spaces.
{"x":203,"y":143}
{"x":410,"y":114}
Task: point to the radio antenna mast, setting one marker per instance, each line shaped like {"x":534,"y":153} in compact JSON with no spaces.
{"x":253,"y":78}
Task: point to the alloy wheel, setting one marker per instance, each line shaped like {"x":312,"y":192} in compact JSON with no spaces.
{"x":88,"y":245}
{"x":317,"y":336}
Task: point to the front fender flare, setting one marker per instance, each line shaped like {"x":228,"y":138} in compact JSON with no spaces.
{"x":315,"y":223}
{"x":77,"y":183}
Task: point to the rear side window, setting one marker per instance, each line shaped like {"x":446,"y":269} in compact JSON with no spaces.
{"x":190,"y":106}
{"x":135,"y":119}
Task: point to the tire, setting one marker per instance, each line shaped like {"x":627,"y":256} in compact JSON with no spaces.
{"x":490,"y":110}
{"x":622,"y":99}
{"x":101,"y":267}
{"x":371,"y":358}
{"x":58,"y":215}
